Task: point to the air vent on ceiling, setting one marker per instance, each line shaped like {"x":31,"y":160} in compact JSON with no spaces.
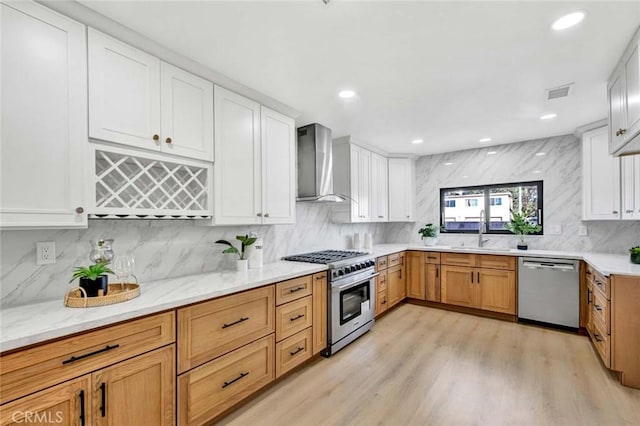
{"x":559,"y":92}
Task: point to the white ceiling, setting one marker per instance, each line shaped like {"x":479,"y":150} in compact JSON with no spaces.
{"x":446,"y":72}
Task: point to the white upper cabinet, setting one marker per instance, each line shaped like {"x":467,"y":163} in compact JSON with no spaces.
{"x":615,"y":92}
{"x":379,"y":188}
{"x":187,"y":114}
{"x":254,"y":172}
{"x":43,"y":118}
{"x":401,"y":190}
{"x":139,"y":101}
{"x":601,"y":178}
{"x":630,"y":187}
{"x":278,"y":167}
{"x":352,"y":177}
{"x":124,"y":93}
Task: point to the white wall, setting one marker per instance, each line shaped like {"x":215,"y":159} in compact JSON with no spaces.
{"x":560,"y":170}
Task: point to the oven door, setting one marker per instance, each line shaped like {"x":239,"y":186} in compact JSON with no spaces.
{"x":352,"y":306}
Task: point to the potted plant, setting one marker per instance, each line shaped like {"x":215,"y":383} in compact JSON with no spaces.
{"x":635,"y":254}
{"x":521,"y":226}
{"x":242,"y":263}
{"x":429,"y":234}
{"x":93,"y":278}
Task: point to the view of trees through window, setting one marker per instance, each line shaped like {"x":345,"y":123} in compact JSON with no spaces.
{"x":464,"y":209}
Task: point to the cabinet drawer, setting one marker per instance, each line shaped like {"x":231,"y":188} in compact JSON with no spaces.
{"x":602,"y":342}
{"x":293,"y":317}
{"x":600,"y":282}
{"x":431,"y":257}
{"x":458,"y":259}
{"x":212,"y":388}
{"x":496,"y":262}
{"x":381,"y":302}
{"x":36,"y":368}
{"x":293,"y":351}
{"x":601,"y":311}
{"x":393,"y":260}
{"x":381,"y":263}
{"x":382,"y":281}
{"x":294,"y":289}
{"x":210,"y":329}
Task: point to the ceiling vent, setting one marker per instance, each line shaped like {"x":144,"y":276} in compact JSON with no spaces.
{"x":559,"y":92}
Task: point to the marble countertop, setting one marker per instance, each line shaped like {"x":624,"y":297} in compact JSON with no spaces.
{"x":25,"y":325}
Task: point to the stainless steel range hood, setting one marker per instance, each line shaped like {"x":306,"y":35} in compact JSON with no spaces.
{"x":315,"y":165}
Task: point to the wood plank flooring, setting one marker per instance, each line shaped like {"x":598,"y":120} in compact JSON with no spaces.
{"x":423,"y":366}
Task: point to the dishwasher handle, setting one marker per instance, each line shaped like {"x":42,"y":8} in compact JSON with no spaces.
{"x":569,"y":267}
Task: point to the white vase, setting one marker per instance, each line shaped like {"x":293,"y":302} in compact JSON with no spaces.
{"x":430,"y":241}
{"x":242,"y":265}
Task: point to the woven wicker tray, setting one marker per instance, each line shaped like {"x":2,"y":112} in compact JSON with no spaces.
{"x":117,"y":293}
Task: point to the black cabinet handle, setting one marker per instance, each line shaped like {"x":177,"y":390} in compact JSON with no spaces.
{"x":437,"y":272}
{"x":82,"y":415}
{"x":79,"y":357}
{"x":598,"y":307}
{"x":296,"y":318}
{"x":383,"y":302}
{"x":597,"y":337}
{"x":242,"y":319}
{"x":296,"y":351}
{"x":103,"y":399}
{"x":471,"y":277}
{"x":400,"y":277}
{"x":431,"y":257}
{"x":321,"y":277}
{"x":588,"y":297}
{"x":478,"y":277}
{"x":235,"y":380}
{"x":294,"y":290}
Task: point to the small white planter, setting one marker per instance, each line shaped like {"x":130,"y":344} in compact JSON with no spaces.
{"x":242,"y":265}
{"x":430,"y":241}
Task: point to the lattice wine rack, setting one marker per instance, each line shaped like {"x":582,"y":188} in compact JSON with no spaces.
{"x":145,"y":185}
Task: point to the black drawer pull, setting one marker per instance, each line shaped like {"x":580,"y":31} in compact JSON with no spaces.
{"x":79,"y":357}
{"x":294,"y":290}
{"x":82,"y":415}
{"x":437,"y":272}
{"x":103,"y":399}
{"x":242,"y":319}
{"x":597,"y":337}
{"x":296,"y":351}
{"x":383,"y":302}
{"x":588,"y":297}
{"x":296,"y":318}
{"x":598,"y":307}
{"x":478,"y":277}
{"x":431,"y":257}
{"x":471,"y":277}
{"x":235,"y":380}
{"x":321,"y":277}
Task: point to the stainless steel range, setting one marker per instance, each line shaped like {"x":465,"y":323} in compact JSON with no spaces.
{"x":351,"y":295}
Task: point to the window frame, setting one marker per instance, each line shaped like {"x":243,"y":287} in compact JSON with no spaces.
{"x":487,"y":207}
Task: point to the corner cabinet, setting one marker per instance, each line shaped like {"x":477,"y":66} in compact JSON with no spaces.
{"x":254,"y":172}
{"x":43,"y":111}
{"x":401,"y":190}
{"x":600,"y":178}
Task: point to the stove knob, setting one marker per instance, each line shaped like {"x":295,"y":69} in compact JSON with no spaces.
{"x":372,"y":263}
{"x":353,"y":269}
{"x":358,"y":267}
{"x":340,"y":272}
{"x":363,"y":265}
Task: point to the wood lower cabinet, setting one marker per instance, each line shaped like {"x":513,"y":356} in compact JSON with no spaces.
{"x":458,"y":286}
{"x":432,"y":278}
{"x":391,"y":283}
{"x":396,"y":281}
{"x":207,"y":391}
{"x":416,"y":279}
{"x":292,"y":351}
{"x":136,"y":392}
{"x":320,"y":312}
{"x":293,"y":317}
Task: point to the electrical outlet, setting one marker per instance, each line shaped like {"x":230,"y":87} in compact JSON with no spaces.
{"x":46,"y":253}
{"x":582,"y":231}
{"x":555,"y":229}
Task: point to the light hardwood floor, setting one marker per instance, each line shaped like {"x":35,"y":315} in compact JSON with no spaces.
{"x":422,"y":366}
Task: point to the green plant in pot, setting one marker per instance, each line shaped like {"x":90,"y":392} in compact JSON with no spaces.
{"x":93,"y":278}
{"x":429,"y":234}
{"x":635,"y":254}
{"x":521,"y":226}
{"x":242,"y":263}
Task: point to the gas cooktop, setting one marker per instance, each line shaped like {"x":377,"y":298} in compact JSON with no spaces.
{"x":325,"y":256}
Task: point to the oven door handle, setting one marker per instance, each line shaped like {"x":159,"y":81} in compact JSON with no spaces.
{"x":353,"y":284}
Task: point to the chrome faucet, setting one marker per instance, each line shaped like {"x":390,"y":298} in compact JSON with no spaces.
{"x":481,"y":229}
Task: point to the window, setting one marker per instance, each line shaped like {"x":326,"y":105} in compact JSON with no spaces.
{"x":491,"y":205}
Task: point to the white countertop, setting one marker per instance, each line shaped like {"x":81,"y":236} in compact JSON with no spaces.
{"x":29,"y":324}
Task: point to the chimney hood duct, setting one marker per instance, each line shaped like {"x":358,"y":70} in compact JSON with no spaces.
{"x":315,"y":165}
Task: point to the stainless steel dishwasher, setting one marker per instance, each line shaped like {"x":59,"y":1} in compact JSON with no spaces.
{"x":549,"y":291}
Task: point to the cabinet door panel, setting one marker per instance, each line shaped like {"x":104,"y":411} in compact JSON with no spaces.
{"x":398,"y":187}
{"x":416,"y":285}
{"x":630,"y":187}
{"x":616,"y":98}
{"x":140,"y":391}
{"x":601,"y":178}
{"x":432,"y":282}
{"x":124,"y":93}
{"x":237,"y":173}
{"x":364,"y":182}
{"x":395,"y":286}
{"x":631,"y":63}
{"x":457,"y":285}
{"x":379,"y":188}
{"x":319,"y":312}
{"x":354,"y":170}
{"x":187,"y":114}
{"x":278,"y":167}
{"x":43,"y":116}
{"x":497,"y":290}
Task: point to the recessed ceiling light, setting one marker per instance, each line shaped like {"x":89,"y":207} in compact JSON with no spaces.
{"x":492,"y":152}
{"x":448,"y":164}
{"x":540,"y":154}
{"x":548,"y":116}
{"x":346,"y":94}
{"x":536,"y":172}
{"x":568,"y":21}
{"x":417,"y":141}
{"x":485,"y":140}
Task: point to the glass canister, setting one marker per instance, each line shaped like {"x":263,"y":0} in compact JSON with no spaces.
{"x":101,"y":251}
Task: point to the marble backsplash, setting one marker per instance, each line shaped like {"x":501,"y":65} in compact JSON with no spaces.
{"x":560,"y":170}
{"x":162,"y":249}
